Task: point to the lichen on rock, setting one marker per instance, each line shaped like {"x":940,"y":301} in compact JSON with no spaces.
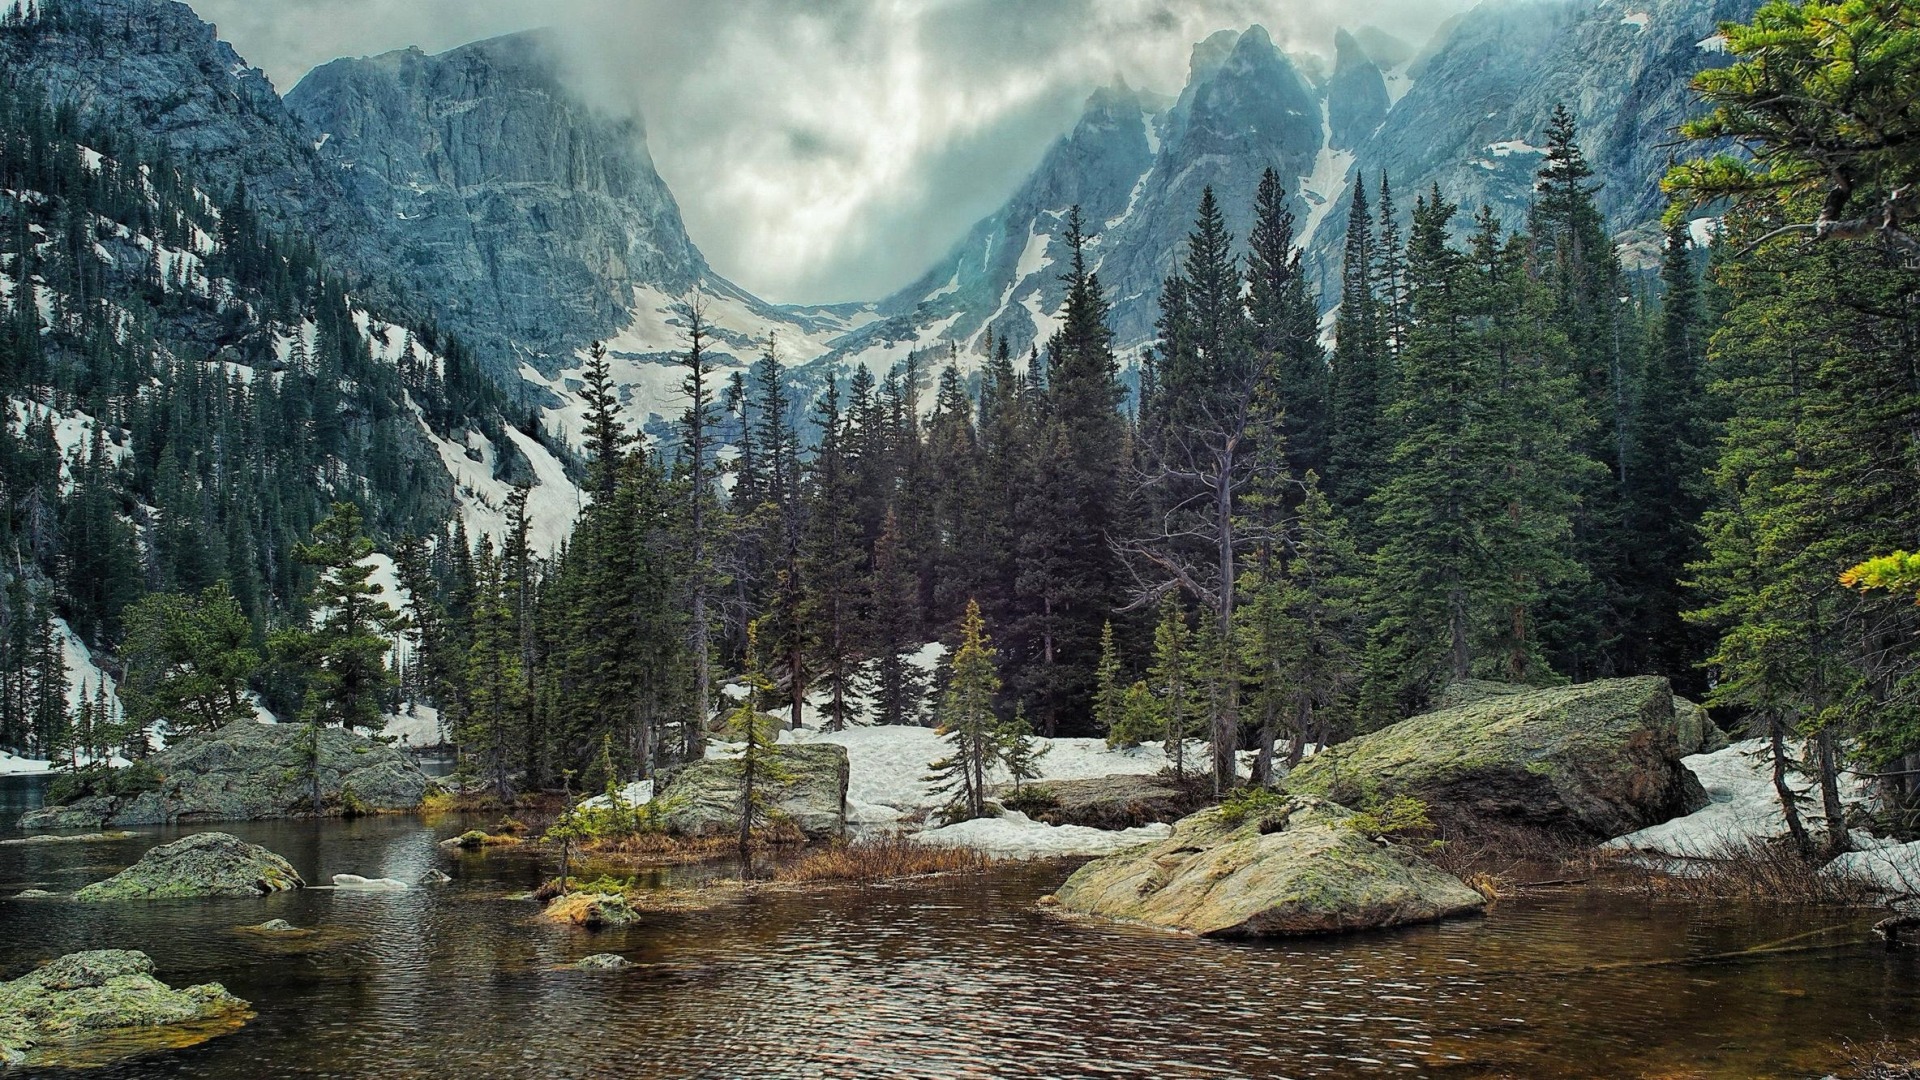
{"x":209,"y":864}
{"x":48,"y":1016}
{"x":1297,"y":867}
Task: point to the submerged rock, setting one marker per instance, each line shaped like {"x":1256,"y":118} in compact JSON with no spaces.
{"x":1298,"y":868}
{"x":81,"y":838}
{"x":356,"y":883}
{"x":34,"y":894}
{"x":435,"y":877}
{"x":592,"y":910}
{"x":106,"y":992}
{"x":474,"y":839}
{"x":703,"y":799}
{"x":203,"y":865}
{"x":276,"y":926}
{"x":1589,"y":762}
{"x":603,"y":962}
{"x":248,"y":771}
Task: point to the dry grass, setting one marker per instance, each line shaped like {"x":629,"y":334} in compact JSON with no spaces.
{"x":867,"y":862}
{"x":1885,"y":1060}
{"x":1771,"y":871}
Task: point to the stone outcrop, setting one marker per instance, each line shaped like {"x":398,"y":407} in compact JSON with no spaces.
{"x":1586,"y":762}
{"x":1299,"y":867}
{"x":703,"y":799}
{"x":249,"y":771}
{"x":1102,"y":802}
{"x":49,"y":1016}
{"x":202,"y":865}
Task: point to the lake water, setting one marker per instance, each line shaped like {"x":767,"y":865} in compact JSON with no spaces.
{"x":953,"y":978}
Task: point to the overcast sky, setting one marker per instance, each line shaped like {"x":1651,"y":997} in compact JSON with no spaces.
{"x":826,"y":150}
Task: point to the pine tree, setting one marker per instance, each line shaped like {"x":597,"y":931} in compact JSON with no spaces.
{"x":832,"y":566}
{"x":1068,"y":578}
{"x":697,"y":450}
{"x":977,"y":736}
{"x":899,"y":691}
{"x":187,"y":661}
{"x":1363,"y":377}
{"x":1285,"y":326}
{"x":492,"y":737}
{"x":758,"y":767}
{"x":1109,"y":697}
{"x":1171,"y":676}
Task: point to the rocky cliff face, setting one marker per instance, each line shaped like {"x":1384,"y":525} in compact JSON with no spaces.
{"x":155,"y":70}
{"x":526,"y":216}
{"x":1467,"y":112}
{"x":1136,"y":166}
{"x":1473,"y":118}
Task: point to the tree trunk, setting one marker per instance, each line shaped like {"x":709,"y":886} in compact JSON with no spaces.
{"x":1777,"y":733}
{"x":1226,"y":720}
{"x":1838,"y":842}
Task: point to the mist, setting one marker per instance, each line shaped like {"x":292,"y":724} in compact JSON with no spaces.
{"x":832,"y":150}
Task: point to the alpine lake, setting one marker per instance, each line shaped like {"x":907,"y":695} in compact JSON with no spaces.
{"x":946,"y":977}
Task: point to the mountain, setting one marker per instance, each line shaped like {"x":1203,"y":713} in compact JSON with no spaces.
{"x":1472,"y":118}
{"x":1466,"y":112}
{"x":1136,"y":164}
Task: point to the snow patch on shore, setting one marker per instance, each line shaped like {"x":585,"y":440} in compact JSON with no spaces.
{"x":1014,"y":835}
{"x":1739,"y":780}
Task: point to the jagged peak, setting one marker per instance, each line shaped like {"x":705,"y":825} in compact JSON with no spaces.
{"x":1211,"y":55}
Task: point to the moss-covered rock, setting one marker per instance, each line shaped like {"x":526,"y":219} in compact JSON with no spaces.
{"x":202,"y":865}
{"x":703,"y":799}
{"x":1299,"y":867}
{"x":248,"y":771}
{"x":1101,"y":802}
{"x":48,"y":1016}
{"x":1587,"y":762}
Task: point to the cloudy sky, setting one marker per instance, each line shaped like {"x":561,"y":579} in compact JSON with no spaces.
{"x":826,"y":150}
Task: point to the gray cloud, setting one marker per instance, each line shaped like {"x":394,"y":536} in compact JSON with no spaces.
{"x":826,"y":150}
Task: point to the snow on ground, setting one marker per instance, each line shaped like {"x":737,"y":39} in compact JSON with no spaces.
{"x":1894,"y":869}
{"x":1322,"y":189}
{"x":1739,"y":780}
{"x":1014,"y":835}
{"x":418,"y":727}
{"x":554,"y":504}
{"x":638,"y":793}
{"x":72,"y":431}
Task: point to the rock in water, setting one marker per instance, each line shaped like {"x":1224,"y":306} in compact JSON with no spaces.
{"x":1299,"y":868}
{"x":276,"y":926}
{"x":592,"y":910}
{"x":703,"y":799}
{"x":435,"y":877}
{"x":205,"y":864}
{"x":1587,"y":762}
{"x":248,"y":771}
{"x":93,"y":994}
{"x":605,"y":961}
{"x":356,"y":883}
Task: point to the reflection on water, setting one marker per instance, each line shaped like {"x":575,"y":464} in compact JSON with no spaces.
{"x":961,"y":978}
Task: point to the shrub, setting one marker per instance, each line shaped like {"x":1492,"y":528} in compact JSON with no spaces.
{"x":1401,"y":815}
{"x":1254,"y":802}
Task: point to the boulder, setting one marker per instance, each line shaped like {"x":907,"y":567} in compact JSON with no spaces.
{"x":1697,"y":732}
{"x":605,"y":961}
{"x":703,"y":798}
{"x":1101,"y":802}
{"x":591,"y":910}
{"x":205,"y":864}
{"x":247,"y":771}
{"x":1299,"y":867}
{"x":276,"y":926}
{"x":1587,"y":762}
{"x":110,"y":992}
{"x":83,"y":838}
{"x":356,"y":883}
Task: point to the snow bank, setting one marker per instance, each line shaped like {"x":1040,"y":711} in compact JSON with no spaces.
{"x":638,"y":793}
{"x":417,"y":727}
{"x":1892,"y":869}
{"x":1014,"y":835}
{"x":888,"y":766}
{"x":1739,"y":780}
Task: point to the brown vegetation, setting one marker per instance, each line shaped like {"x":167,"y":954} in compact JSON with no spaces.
{"x":1773,"y":871}
{"x":891,"y":858}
